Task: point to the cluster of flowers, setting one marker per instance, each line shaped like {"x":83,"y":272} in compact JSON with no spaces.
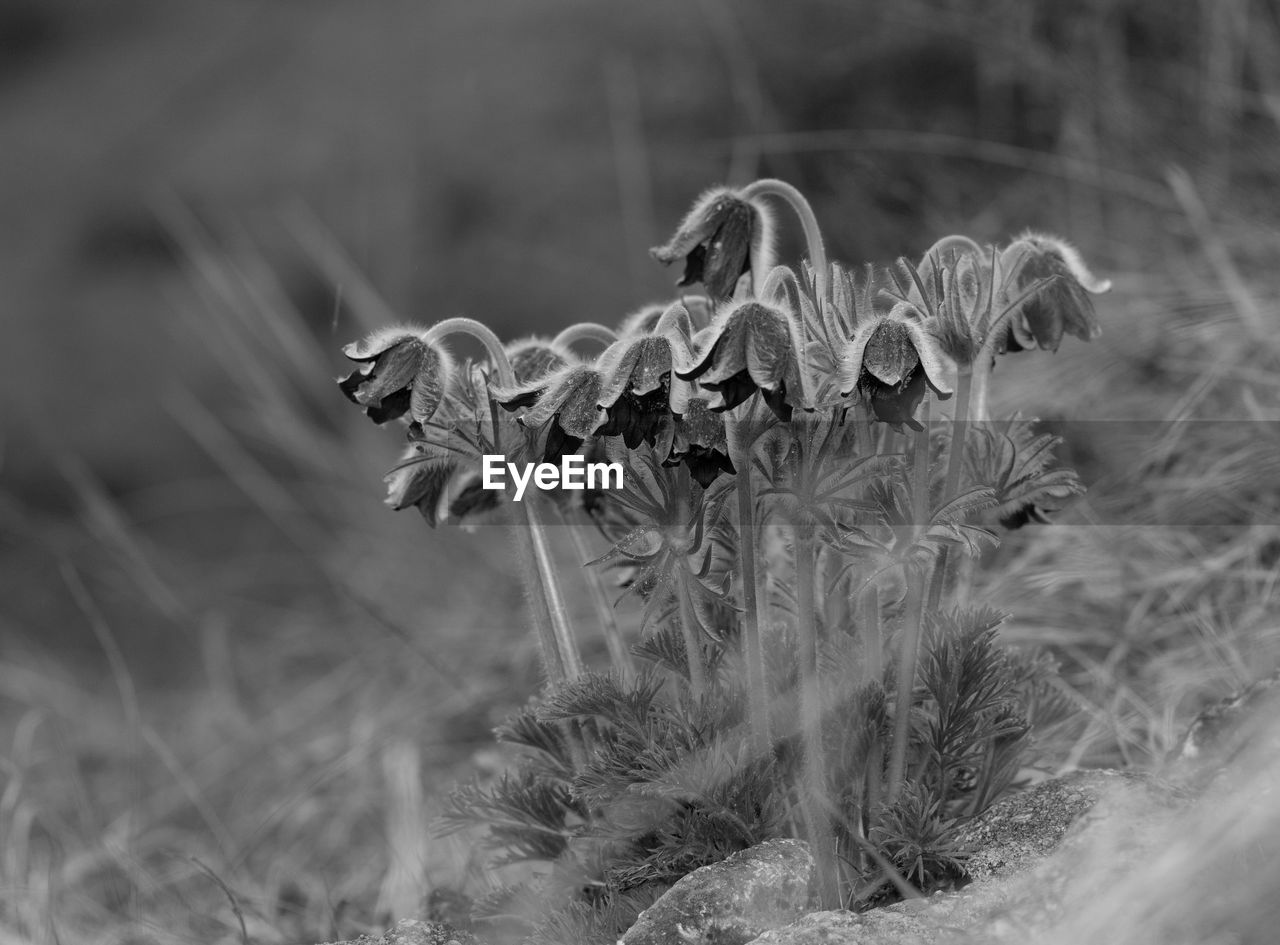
{"x":816,"y":337}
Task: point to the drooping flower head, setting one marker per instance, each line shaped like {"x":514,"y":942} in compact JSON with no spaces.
{"x":718,"y":240}
{"x":1062,"y":303}
{"x":566,"y":405}
{"x":893,"y":359}
{"x":698,"y":439}
{"x":399,"y":374}
{"x":751,"y":347}
{"x":639,"y":389}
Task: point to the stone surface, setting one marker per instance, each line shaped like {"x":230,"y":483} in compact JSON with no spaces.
{"x":1043,"y":856}
{"x":1022,"y":829}
{"x":731,"y":902}
{"x":417,"y":932}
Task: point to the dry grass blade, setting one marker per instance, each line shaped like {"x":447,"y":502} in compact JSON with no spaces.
{"x":231,"y":898}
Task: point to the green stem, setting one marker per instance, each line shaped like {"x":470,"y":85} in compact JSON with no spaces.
{"x":689,"y":626}
{"x":778,"y":277}
{"x":584,"y":331}
{"x":753,"y":642}
{"x":984,"y":360}
{"x":772,"y":187}
{"x":959,"y":433}
{"x":955,"y":243}
{"x":557,"y":611}
{"x":814,"y":797}
{"x":920,"y":474}
{"x":913,"y":616}
{"x":947,"y":563}
{"x":469,"y":326}
{"x":619,"y":655}
{"x":555,"y":632}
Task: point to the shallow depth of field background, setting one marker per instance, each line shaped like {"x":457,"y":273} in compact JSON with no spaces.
{"x":223,"y":663}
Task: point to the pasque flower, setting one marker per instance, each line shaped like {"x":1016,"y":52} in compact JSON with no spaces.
{"x":751,"y":347}
{"x":399,"y":373}
{"x":697,"y":438}
{"x":1061,"y":305}
{"x":718,"y":240}
{"x":638,"y":389}
{"x":565,"y":404}
{"x":893,"y":359}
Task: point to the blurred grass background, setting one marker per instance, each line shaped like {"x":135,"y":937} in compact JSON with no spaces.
{"x":223,"y":657}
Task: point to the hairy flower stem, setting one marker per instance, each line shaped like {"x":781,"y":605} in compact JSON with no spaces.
{"x":584,"y":331}
{"x":814,"y":808}
{"x":771,"y":187}
{"x":619,"y":655}
{"x":984,"y":361}
{"x":555,"y":634}
{"x":955,"y":243}
{"x":913,"y":615}
{"x":757,"y":679}
{"x":689,"y":626}
{"x":949,"y":561}
{"x":777,"y":280}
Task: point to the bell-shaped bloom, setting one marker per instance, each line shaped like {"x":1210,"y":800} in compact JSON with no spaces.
{"x":566,"y":405}
{"x":751,"y":347}
{"x":399,"y":374}
{"x":639,"y":390}
{"x":717,"y":241}
{"x":1061,"y":305}
{"x":698,"y":439}
{"x":893,"y":359}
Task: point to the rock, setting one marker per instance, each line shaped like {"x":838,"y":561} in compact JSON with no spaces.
{"x":417,"y":932}
{"x":1041,"y":857}
{"x":731,"y":902}
{"x":1022,"y":829}
{"x":840,"y":926}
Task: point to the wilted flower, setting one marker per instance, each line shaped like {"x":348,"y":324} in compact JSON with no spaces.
{"x":399,"y":374}
{"x":698,"y":439}
{"x":893,"y":359}
{"x":566,"y":404}
{"x":717,"y":240}
{"x":1061,"y":305}
{"x":750,"y":347}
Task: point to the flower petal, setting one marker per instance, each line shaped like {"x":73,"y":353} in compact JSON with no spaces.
{"x":430,"y":384}
{"x":939,"y":369}
{"x":850,"y":368}
{"x":890,"y":354}
{"x":369,"y":347}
